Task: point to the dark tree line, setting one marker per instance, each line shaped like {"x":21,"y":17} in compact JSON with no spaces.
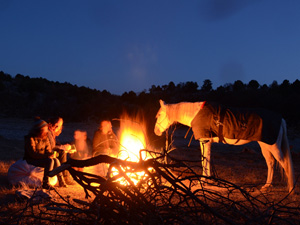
{"x":25,"y":97}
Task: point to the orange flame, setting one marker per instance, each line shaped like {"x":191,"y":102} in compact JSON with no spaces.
{"x":132,"y":141}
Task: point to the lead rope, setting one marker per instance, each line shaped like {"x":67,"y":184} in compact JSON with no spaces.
{"x":167,"y":139}
{"x":187,"y":132}
{"x":166,"y":147}
{"x":190,"y":138}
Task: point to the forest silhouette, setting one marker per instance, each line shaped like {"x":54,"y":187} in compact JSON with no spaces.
{"x":25,"y":97}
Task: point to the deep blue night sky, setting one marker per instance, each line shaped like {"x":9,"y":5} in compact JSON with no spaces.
{"x":119,"y":46}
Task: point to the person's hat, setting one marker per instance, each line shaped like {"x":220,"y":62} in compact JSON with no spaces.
{"x":39,"y":123}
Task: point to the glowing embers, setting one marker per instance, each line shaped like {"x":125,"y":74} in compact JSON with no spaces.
{"x":53,"y":180}
{"x":132,"y":145}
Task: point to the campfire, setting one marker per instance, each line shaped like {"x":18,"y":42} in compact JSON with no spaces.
{"x":141,"y":187}
{"x":132,"y":140}
{"x":132,"y":145}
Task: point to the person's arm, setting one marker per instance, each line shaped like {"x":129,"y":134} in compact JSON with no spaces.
{"x":48,"y":149}
{"x":33,"y":152}
{"x":68,"y":148}
{"x":114,"y":144}
{"x":96,"y":140}
{"x":99,"y":143}
{"x":62,"y":147}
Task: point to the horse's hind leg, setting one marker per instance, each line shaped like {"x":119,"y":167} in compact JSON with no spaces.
{"x":281,"y":152}
{"x":283,"y":161}
{"x":270,"y":164}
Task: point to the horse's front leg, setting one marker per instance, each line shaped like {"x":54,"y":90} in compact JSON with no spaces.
{"x":205,"y":145}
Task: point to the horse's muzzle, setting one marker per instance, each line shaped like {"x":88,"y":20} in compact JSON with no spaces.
{"x":157,"y":131}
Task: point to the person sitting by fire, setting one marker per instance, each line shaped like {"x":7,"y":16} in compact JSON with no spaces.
{"x":105,"y":142}
{"x":38,"y":152}
{"x":83,"y":146}
{"x":55,"y":126}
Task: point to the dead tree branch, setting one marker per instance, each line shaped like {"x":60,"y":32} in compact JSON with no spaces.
{"x":165,"y":193}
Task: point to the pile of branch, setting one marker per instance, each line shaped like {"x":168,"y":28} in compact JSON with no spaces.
{"x":162,"y":196}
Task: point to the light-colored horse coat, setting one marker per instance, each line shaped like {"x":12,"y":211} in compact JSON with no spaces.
{"x":185,"y":112}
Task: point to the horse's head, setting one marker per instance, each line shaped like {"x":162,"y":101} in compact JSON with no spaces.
{"x":162,"y":119}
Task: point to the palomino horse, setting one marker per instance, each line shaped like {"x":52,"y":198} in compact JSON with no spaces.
{"x":185,"y":112}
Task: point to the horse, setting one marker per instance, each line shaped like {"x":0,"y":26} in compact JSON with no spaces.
{"x":186,"y":112}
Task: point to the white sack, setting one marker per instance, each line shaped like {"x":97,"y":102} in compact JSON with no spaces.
{"x":22,"y":172}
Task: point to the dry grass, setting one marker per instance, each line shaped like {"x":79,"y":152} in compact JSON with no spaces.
{"x":10,"y":203}
{"x":15,"y":210}
{"x":244,"y":167}
{"x":20,"y":210}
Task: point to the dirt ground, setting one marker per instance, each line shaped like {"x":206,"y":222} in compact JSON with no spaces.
{"x":241,"y":165}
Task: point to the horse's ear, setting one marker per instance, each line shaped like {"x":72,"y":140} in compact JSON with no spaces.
{"x":162,"y":103}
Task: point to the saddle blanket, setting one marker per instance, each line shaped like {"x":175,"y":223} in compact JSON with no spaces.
{"x":254,"y":124}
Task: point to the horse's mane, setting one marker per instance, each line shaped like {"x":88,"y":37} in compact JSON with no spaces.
{"x":183,"y":112}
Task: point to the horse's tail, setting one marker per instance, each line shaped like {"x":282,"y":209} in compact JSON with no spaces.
{"x":287,"y":158}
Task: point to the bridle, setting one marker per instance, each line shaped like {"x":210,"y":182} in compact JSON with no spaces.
{"x":159,"y":123}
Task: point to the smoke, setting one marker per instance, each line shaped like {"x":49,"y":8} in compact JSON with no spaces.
{"x":141,"y":59}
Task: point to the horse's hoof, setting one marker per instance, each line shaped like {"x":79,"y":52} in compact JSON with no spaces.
{"x":293,"y":192}
{"x":265,"y":188}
